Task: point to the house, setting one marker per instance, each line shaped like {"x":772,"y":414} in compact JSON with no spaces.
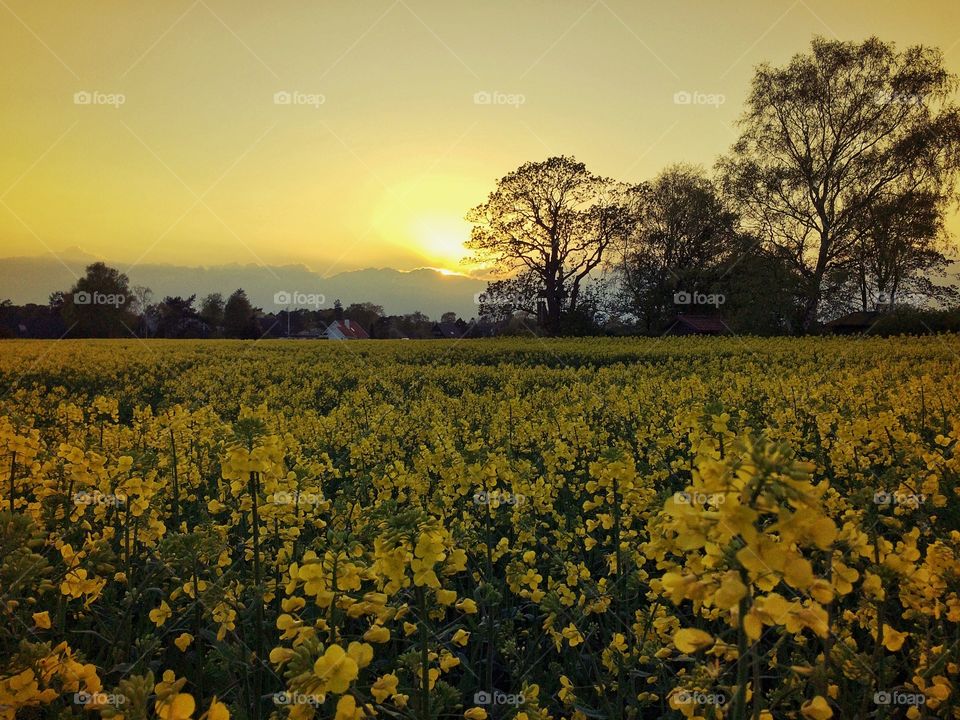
{"x":697,"y":325}
{"x":855,"y":323}
{"x":346,"y":330}
{"x":450,"y":330}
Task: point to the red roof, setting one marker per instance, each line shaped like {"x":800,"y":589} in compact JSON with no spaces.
{"x":350,"y":329}
{"x":699,"y":324}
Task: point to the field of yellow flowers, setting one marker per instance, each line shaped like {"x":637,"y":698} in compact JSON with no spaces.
{"x":529,"y":529}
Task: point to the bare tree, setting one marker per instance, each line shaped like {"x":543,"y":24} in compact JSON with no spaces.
{"x":901,"y":247}
{"x":684,"y":232}
{"x":829,"y":136}
{"x":553,"y":219}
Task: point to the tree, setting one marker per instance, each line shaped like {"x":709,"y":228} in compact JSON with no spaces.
{"x":684,"y":231}
{"x":899,"y":249}
{"x":211,"y":310}
{"x":553,"y":219}
{"x":238,"y":316}
{"x":365,"y":314}
{"x":827,"y":137}
{"x":177,"y":318}
{"x":98,"y":304}
{"x":521,"y":293}
{"x":448,"y":317}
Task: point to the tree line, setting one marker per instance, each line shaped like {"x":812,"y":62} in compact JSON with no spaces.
{"x":833,"y":198}
{"x":103,"y":304}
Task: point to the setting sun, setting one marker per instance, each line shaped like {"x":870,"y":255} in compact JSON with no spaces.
{"x":441,"y":240}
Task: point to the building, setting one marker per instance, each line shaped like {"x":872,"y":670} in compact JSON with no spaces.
{"x":855,"y":323}
{"x":697,"y":325}
{"x":346,"y":330}
{"x":450,"y":330}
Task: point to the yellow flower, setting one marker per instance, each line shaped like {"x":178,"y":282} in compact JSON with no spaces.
{"x":377,"y":634}
{"x":361,"y":653}
{"x":892,"y":639}
{"x":816,"y":709}
{"x":384,"y":687}
{"x":475,"y":713}
{"x":183,"y":641}
{"x":461,"y":637}
{"x":446,"y":597}
{"x":467,"y":606}
{"x":42,"y":620}
{"x":573,"y":635}
{"x":347,"y":709}
{"x":690,"y":640}
{"x":336,"y":669}
{"x":178,"y":707}
{"x":161,"y":614}
{"x":217,"y":711}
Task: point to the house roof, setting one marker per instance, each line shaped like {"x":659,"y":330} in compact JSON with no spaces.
{"x":448,"y":330}
{"x":350,"y":330}
{"x":860,"y":319}
{"x":706,"y":324}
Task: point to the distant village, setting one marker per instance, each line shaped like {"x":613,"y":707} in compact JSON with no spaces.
{"x":101,"y":304}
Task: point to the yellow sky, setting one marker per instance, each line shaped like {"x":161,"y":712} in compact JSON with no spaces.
{"x":399,"y":115}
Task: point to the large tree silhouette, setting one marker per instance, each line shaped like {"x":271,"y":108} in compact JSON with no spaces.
{"x":828,"y":137}
{"x":554,"y":220}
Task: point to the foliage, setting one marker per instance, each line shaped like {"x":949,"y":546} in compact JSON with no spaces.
{"x":525,"y":529}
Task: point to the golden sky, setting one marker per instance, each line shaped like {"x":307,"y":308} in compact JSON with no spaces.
{"x":353,"y":134}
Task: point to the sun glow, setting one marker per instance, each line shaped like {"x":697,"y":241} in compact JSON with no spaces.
{"x":441,"y":240}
